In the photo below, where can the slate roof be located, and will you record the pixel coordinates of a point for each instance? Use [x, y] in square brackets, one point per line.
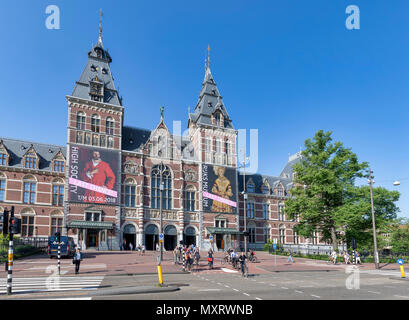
[288, 169]
[18, 148]
[209, 101]
[97, 67]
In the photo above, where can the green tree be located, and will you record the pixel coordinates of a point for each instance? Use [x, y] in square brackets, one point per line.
[324, 183]
[400, 239]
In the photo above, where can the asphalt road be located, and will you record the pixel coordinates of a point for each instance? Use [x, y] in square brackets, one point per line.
[325, 285]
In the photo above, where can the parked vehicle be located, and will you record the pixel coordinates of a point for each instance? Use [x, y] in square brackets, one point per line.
[67, 247]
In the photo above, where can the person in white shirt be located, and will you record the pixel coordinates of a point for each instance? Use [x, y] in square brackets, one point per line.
[334, 257]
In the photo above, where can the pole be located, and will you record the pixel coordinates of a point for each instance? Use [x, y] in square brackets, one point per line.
[160, 209]
[59, 257]
[10, 258]
[244, 201]
[373, 222]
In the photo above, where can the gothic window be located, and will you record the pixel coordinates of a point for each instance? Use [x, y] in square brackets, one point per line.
[190, 199]
[110, 126]
[280, 191]
[95, 123]
[80, 121]
[252, 233]
[166, 186]
[266, 233]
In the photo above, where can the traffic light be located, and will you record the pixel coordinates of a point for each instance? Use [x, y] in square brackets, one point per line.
[353, 244]
[5, 218]
[57, 236]
[15, 225]
[246, 233]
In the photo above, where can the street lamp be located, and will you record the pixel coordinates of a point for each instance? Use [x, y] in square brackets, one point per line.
[371, 182]
[245, 160]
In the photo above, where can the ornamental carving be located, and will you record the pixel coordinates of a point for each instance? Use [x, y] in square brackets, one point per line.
[190, 175]
[130, 214]
[166, 215]
[191, 216]
[131, 167]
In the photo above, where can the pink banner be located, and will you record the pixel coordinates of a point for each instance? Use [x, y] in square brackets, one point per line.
[220, 199]
[93, 187]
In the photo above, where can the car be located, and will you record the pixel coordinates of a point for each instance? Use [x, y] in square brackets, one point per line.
[67, 247]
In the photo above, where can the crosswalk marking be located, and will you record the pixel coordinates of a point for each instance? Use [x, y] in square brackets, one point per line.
[43, 284]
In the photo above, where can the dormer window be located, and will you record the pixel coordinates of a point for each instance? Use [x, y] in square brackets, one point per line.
[30, 162]
[104, 71]
[58, 166]
[217, 118]
[250, 187]
[265, 189]
[210, 104]
[3, 159]
[93, 68]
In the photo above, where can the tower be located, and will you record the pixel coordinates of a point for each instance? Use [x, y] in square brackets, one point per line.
[214, 139]
[93, 177]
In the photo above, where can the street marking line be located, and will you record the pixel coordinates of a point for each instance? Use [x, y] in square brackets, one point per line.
[246, 294]
[226, 286]
[210, 290]
[229, 271]
[284, 288]
[235, 290]
[315, 296]
[374, 292]
[258, 298]
[389, 287]
[401, 296]
[298, 291]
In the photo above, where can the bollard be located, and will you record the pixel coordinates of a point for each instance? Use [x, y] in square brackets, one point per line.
[402, 271]
[160, 275]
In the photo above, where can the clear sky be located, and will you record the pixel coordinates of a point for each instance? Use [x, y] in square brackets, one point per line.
[286, 68]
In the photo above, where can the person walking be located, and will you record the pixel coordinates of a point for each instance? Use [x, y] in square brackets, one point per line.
[290, 257]
[130, 246]
[77, 260]
[334, 256]
[140, 249]
[357, 257]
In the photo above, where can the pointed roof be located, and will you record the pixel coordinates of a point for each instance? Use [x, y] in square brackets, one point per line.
[98, 69]
[209, 102]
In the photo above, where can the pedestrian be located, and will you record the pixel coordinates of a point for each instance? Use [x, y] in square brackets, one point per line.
[175, 255]
[197, 257]
[334, 256]
[124, 245]
[77, 260]
[290, 257]
[130, 246]
[143, 249]
[357, 257]
[140, 249]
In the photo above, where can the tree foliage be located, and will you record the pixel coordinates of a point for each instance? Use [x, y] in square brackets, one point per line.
[325, 197]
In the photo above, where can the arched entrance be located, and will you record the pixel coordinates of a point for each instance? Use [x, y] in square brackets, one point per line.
[151, 237]
[170, 241]
[129, 235]
[190, 236]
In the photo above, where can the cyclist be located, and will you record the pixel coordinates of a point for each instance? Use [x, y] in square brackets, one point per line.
[197, 256]
[242, 260]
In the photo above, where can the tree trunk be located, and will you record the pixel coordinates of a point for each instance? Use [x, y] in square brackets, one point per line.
[334, 239]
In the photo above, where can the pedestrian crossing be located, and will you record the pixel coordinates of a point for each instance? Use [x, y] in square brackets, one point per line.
[51, 284]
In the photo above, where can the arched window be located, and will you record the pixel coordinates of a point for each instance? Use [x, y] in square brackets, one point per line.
[190, 198]
[217, 119]
[80, 121]
[110, 126]
[130, 193]
[95, 123]
[164, 172]
[29, 189]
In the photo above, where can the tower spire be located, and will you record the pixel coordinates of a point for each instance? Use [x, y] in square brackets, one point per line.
[208, 56]
[101, 17]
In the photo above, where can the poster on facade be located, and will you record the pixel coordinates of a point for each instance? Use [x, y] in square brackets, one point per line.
[92, 176]
[219, 189]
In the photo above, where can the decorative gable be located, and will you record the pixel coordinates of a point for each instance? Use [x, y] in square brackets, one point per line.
[31, 159]
[4, 155]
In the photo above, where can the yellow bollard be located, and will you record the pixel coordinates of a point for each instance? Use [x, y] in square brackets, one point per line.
[402, 271]
[160, 275]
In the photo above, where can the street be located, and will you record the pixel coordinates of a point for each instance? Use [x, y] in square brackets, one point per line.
[128, 276]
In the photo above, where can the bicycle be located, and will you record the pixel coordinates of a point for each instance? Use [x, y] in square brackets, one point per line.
[253, 259]
[244, 270]
[225, 260]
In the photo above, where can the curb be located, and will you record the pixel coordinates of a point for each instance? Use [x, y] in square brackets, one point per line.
[133, 290]
[399, 278]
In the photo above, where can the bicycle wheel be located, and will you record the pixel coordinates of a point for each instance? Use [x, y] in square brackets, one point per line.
[246, 272]
[255, 259]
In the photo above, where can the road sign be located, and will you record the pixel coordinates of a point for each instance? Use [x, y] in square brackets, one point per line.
[211, 238]
[400, 261]
[161, 237]
[275, 246]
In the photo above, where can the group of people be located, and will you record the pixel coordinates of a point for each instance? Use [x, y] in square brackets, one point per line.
[346, 257]
[187, 255]
[129, 246]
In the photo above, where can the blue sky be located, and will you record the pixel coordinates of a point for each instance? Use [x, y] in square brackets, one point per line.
[286, 68]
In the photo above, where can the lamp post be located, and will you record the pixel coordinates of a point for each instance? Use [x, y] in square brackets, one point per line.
[245, 160]
[371, 182]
